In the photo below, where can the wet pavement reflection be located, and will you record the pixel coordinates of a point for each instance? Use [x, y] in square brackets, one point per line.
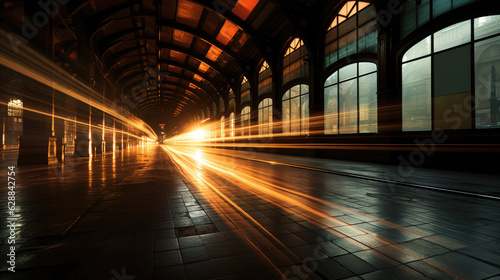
[172, 212]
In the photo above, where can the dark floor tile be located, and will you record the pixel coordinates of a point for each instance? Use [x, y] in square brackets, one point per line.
[354, 264]
[201, 270]
[166, 245]
[205, 229]
[212, 238]
[170, 272]
[190, 241]
[469, 267]
[167, 258]
[194, 254]
[377, 259]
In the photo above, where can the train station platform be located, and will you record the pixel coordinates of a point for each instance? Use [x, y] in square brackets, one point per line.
[161, 212]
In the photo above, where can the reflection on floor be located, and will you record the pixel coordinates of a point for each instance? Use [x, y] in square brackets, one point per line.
[163, 212]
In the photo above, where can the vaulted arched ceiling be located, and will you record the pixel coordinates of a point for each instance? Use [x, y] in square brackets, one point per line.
[177, 57]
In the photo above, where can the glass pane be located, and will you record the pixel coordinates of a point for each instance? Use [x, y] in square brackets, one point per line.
[331, 80]
[245, 96]
[347, 45]
[348, 107]
[486, 26]
[452, 36]
[422, 48]
[424, 12]
[367, 38]
[286, 116]
[261, 121]
[331, 110]
[368, 103]
[270, 119]
[408, 18]
[452, 89]
[458, 3]
[367, 67]
[367, 14]
[267, 120]
[304, 108]
[348, 72]
[347, 26]
[487, 62]
[331, 35]
[331, 54]
[417, 95]
[295, 114]
[440, 7]
[286, 95]
[295, 91]
[304, 89]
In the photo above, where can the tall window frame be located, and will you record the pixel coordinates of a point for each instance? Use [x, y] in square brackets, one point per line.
[265, 111]
[414, 16]
[447, 77]
[245, 121]
[351, 100]
[245, 95]
[295, 105]
[352, 31]
[265, 79]
[295, 61]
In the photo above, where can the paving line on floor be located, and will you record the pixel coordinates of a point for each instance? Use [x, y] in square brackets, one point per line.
[353, 175]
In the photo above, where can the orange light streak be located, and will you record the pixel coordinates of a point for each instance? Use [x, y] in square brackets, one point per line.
[34, 65]
[249, 180]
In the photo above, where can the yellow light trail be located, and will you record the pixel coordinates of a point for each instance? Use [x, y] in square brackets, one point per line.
[188, 169]
[284, 195]
[109, 129]
[295, 141]
[34, 65]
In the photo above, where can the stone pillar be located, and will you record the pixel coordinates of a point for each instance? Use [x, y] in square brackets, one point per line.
[34, 143]
[388, 96]
[37, 128]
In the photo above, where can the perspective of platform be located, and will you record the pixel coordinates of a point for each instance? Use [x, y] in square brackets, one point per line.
[250, 139]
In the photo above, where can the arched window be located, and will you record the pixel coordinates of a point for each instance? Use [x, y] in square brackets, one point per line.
[231, 124]
[266, 116]
[245, 121]
[296, 110]
[415, 15]
[351, 31]
[265, 79]
[222, 127]
[245, 91]
[14, 125]
[15, 108]
[294, 61]
[351, 99]
[230, 104]
[437, 74]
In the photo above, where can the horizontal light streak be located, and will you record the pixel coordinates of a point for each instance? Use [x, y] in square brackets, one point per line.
[34, 65]
[260, 182]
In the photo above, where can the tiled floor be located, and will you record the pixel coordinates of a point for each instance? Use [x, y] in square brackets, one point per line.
[184, 213]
